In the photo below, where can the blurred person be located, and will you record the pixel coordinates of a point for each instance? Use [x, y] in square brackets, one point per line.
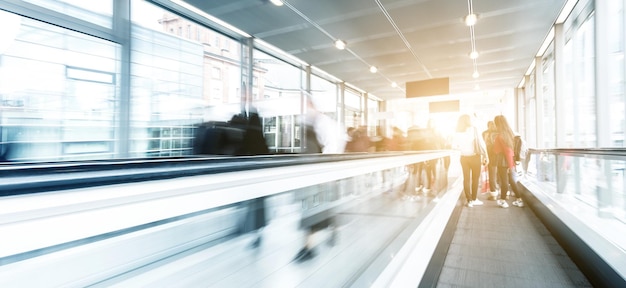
[520, 154]
[470, 146]
[377, 141]
[489, 136]
[329, 136]
[441, 143]
[322, 136]
[4, 151]
[422, 139]
[359, 140]
[253, 143]
[242, 135]
[507, 174]
[397, 142]
[415, 135]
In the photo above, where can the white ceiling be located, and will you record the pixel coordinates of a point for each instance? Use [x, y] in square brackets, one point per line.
[508, 35]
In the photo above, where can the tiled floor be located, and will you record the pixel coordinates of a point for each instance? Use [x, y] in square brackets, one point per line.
[496, 247]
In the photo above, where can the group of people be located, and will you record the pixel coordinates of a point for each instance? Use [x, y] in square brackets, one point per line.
[422, 139]
[243, 135]
[493, 148]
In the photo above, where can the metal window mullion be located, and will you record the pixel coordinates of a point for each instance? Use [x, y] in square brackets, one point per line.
[247, 73]
[602, 81]
[365, 99]
[559, 86]
[121, 29]
[518, 96]
[623, 92]
[539, 101]
[527, 112]
[559, 115]
[342, 98]
[304, 104]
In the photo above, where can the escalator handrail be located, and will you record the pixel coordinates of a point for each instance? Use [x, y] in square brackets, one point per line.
[26, 178]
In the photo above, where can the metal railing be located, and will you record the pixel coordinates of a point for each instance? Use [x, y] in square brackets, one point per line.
[585, 189]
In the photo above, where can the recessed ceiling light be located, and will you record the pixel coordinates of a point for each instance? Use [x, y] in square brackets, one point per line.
[476, 74]
[470, 19]
[394, 84]
[340, 44]
[373, 69]
[473, 54]
[277, 2]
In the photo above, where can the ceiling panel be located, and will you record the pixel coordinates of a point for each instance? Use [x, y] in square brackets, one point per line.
[433, 41]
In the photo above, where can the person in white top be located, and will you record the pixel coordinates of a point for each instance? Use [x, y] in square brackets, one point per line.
[330, 137]
[471, 147]
[323, 135]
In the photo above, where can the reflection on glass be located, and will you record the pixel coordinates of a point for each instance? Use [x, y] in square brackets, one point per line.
[380, 204]
[96, 12]
[579, 56]
[71, 113]
[617, 76]
[179, 78]
[590, 187]
[277, 94]
[373, 119]
[548, 139]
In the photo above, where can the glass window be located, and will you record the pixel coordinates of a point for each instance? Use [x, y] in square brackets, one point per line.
[277, 93]
[71, 113]
[568, 95]
[530, 109]
[583, 118]
[352, 102]
[579, 90]
[325, 93]
[586, 75]
[548, 138]
[352, 99]
[616, 72]
[172, 85]
[216, 93]
[217, 73]
[372, 118]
